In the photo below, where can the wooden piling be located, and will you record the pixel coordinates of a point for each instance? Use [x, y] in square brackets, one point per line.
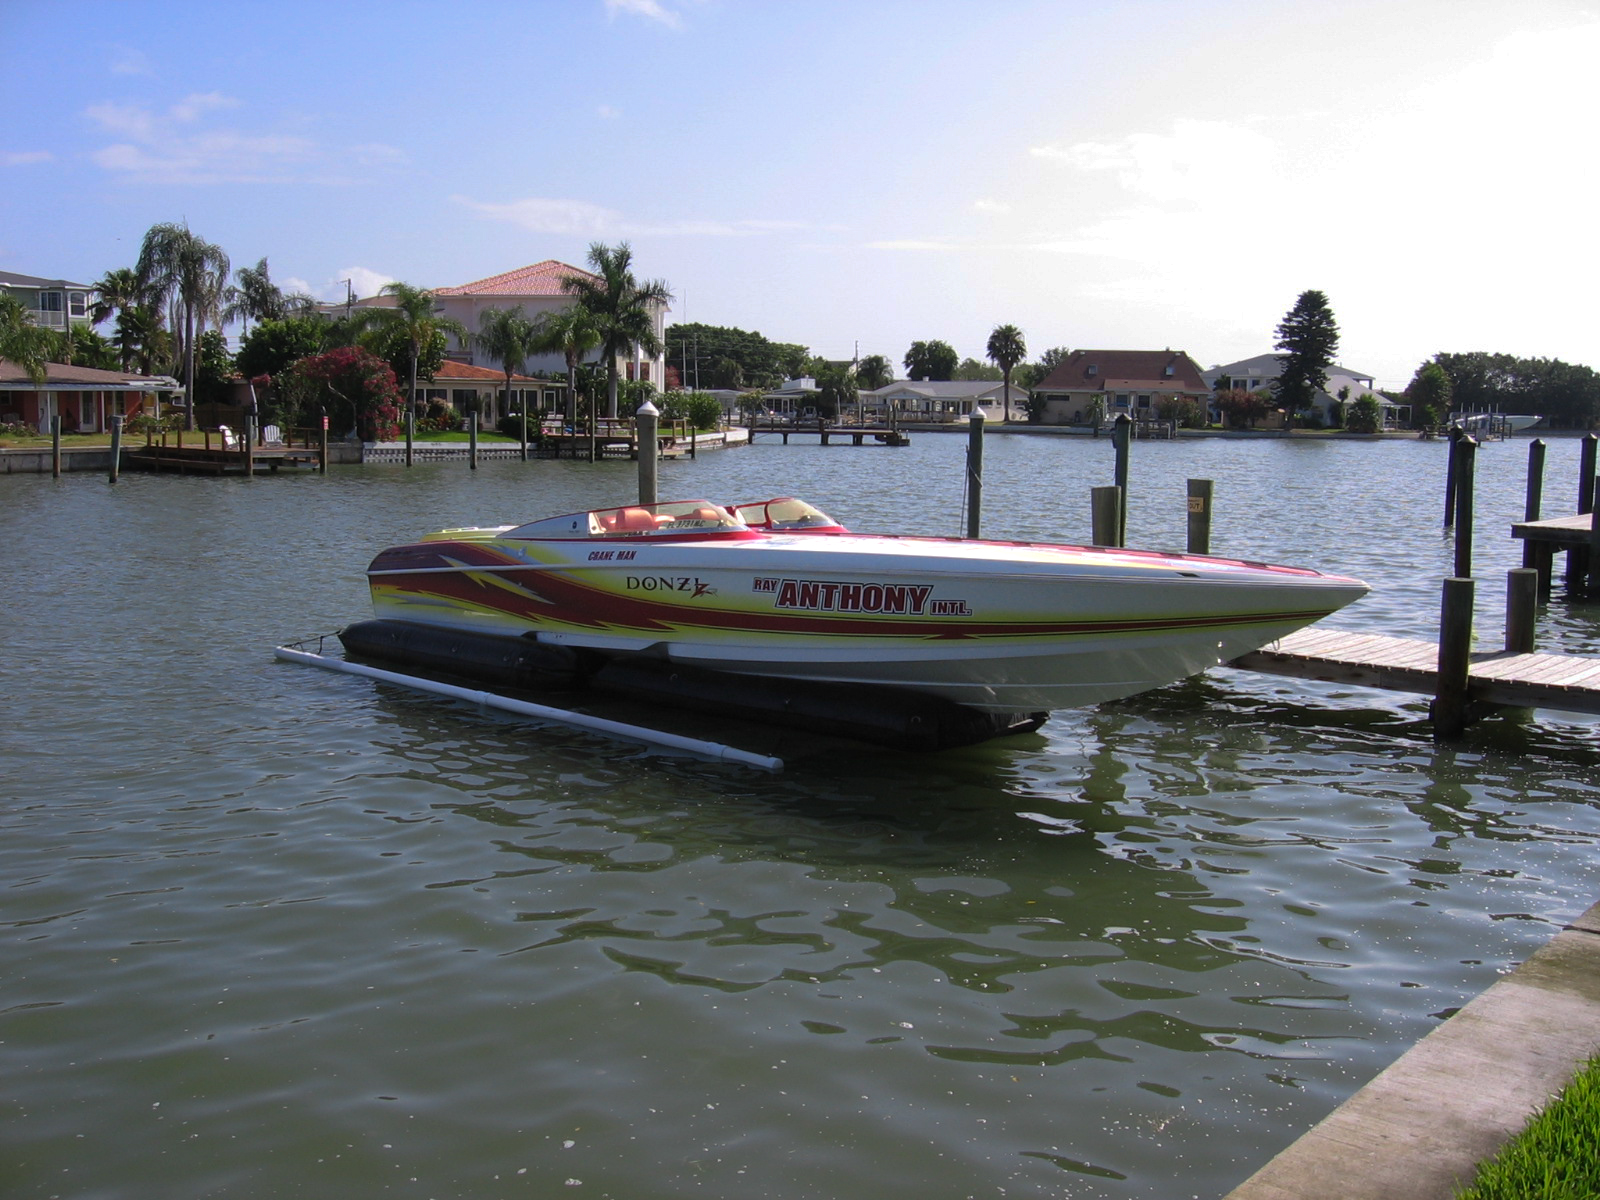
[1455, 657]
[1121, 440]
[1534, 500]
[974, 472]
[1199, 494]
[411, 429]
[1105, 504]
[1465, 453]
[1586, 456]
[472, 440]
[646, 423]
[55, 447]
[116, 447]
[1522, 606]
[1456, 434]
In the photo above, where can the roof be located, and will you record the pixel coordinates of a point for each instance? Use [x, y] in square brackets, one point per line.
[1127, 370]
[59, 376]
[12, 279]
[540, 279]
[952, 388]
[461, 372]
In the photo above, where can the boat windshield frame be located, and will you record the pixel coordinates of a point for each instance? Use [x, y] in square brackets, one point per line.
[785, 514]
[671, 518]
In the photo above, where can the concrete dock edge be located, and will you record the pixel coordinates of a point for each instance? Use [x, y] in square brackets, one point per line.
[1419, 1130]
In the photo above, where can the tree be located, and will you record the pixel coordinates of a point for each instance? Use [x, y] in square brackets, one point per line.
[623, 309]
[213, 367]
[1006, 349]
[358, 381]
[836, 389]
[506, 336]
[416, 325]
[188, 273]
[21, 341]
[86, 349]
[1311, 336]
[255, 297]
[1242, 409]
[931, 360]
[571, 334]
[1365, 415]
[972, 370]
[272, 347]
[873, 372]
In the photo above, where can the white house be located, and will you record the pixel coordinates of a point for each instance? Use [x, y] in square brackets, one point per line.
[945, 400]
[1344, 386]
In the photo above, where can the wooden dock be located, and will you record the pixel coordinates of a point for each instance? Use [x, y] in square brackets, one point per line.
[882, 435]
[1562, 681]
[1541, 540]
[209, 459]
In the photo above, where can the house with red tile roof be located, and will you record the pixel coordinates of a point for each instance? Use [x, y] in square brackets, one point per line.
[467, 387]
[1124, 381]
[537, 289]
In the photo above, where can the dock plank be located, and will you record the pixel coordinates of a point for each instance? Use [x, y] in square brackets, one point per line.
[1539, 680]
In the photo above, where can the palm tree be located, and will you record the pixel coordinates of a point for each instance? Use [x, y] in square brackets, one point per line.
[255, 298]
[1006, 349]
[570, 333]
[506, 336]
[874, 372]
[414, 315]
[189, 273]
[623, 308]
[118, 294]
[21, 341]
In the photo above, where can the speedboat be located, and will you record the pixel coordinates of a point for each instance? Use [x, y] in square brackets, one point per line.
[780, 590]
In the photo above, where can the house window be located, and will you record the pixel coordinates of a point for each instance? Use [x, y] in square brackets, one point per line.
[1122, 399]
[1144, 401]
[78, 304]
[49, 301]
[1093, 371]
[1167, 372]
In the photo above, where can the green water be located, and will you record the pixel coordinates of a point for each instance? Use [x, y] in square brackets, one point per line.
[274, 932]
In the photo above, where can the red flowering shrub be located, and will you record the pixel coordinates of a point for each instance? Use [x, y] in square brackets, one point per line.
[358, 380]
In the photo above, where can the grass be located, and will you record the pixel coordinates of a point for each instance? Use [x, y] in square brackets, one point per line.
[1557, 1156]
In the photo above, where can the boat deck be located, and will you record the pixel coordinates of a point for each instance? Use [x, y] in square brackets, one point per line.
[1562, 681]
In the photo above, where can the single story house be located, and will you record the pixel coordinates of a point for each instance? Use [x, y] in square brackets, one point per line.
[84, 398]
[1123, 381]
[466, 387]
[943, 400]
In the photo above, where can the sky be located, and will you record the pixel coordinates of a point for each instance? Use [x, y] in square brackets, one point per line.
[852, 176]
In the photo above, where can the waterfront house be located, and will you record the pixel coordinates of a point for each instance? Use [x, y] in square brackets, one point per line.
[1133, 382]
[537, 290]
[466, 387]
[84, 398]
[1344, 386]
[51, 303]
[940, 401]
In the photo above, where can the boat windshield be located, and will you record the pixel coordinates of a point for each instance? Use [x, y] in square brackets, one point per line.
[636, 520]
[785, 513]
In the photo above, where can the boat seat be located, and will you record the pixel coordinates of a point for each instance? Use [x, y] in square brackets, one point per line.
[629, 520]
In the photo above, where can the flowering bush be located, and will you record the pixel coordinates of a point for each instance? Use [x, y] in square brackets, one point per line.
[360, 382]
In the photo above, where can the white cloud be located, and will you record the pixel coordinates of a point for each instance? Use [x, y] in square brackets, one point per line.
[26, 158]
[649, 9]
[608, 112]
[179, 146]
[125, 60]
[364, 282]
[985, 205]
[1187, 163]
